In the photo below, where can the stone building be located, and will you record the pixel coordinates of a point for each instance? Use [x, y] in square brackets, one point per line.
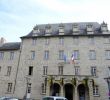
[65, 59]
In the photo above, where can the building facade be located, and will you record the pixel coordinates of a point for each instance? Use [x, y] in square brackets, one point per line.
[66, 59]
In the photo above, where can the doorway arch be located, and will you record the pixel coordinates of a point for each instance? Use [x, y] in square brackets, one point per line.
[68, 91]
[55, 89]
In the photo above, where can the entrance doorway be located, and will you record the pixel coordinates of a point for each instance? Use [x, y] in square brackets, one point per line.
[55, 89]
[81, 90]
[69, 91]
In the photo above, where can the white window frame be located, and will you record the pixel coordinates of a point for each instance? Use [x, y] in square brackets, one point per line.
[96, 90]
[93, 71]
[46, 54]
[107, 54]
[92, 54]
[32, 55]
[45, 68]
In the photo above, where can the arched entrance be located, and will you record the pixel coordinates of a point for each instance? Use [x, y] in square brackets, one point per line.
[55, 89]
[81, 91]
[68, 91]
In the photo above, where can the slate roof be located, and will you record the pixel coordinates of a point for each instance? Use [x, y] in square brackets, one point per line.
[10, 46]
[68, 28]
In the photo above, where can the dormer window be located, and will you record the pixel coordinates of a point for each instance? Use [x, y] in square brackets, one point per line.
[104, 28]
[61, 29]
[48, 29]
[75, 28]
[36, 31]
[89, 28]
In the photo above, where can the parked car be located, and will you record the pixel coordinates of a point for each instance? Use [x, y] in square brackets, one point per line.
[8, 98]
[54, 98]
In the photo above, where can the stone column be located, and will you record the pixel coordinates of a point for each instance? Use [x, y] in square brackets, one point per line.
[90, 90]
[61, 92]
[48, 90]
[76, 94]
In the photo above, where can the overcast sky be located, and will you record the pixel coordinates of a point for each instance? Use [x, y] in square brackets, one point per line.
[18, 17]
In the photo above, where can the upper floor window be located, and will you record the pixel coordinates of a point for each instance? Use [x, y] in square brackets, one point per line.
[76, 54]
[109, 71]
[91, 40]
[9, 70]
[32, 55]
[107, 54]
[43, 88]
[9, 89]
[95, 90]
[106, 40]
[77, 70]
[11, 55]
[34, 41]
[45, 70]
[30, 72]
[0, 68]
[60, 70]
[47, 40]
[46, 55]
[61, 40]
[92, 55]
[29, 88]
[1, 55]
[93, 71]
[61, 54]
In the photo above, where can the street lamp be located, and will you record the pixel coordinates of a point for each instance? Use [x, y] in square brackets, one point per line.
[108, 82]
[27, 86]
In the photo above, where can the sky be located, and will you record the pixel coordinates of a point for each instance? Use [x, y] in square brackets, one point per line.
[18, 17]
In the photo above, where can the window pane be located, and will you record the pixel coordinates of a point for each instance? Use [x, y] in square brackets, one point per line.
[93, 71]
[30, 70]
[1, 55]
[61, 54]
[46, 55]
[32, 55]
[61, 40]
[76, 54]
[92, 55]
[11, 55]
[107, 54]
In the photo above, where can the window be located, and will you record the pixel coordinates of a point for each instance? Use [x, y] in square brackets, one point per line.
[91, 40]
[29, 88]
[9, 70]
[92, 55]
[95, 91]
[0, 68]
[1, 55]
[45, 70]
[107, 54]
[11, 55]
[32, 55]
[76, 54]
[34, 41]
[93, 71]
[46, 55]
[9, 89]
[43, 88]
[61, 40]
[60, 70]
[109, 71]
[107, 40]
[30, 70]
[61, 54]
[47, 41]
[77, 70]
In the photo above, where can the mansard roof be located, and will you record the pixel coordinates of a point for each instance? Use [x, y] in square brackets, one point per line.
[68, 29]
[10, 46]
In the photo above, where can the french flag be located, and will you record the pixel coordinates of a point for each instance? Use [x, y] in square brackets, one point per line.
[72, 58]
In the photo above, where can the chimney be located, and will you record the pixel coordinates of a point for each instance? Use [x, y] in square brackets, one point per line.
[2, 40]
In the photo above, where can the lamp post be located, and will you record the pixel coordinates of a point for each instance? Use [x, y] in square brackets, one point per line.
[108, 82]
[27, 85]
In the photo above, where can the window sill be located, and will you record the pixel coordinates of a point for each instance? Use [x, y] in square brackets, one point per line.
[96, 95]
